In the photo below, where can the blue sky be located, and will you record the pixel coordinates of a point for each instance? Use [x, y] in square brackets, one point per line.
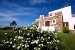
[24, 12]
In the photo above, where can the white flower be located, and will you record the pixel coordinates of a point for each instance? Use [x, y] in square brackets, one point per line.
[19, 37]
[25, 41]
[41, 31]
[42, 41]
[32, 35]
[55, 33]
[44, 34]
[26, 27]
[10, 38]
[35, 47]
[5, 33]
[15, 31]
[7, 42]
[28, 34]
[19, 31]
[55, 40]
[18, 47]
[31, 28]
[22, 40]
[58, 41]
[10, 42]
[15, 28]
[37, 37]
[36, 42]
[38, 48]
[29, 41]
[34, 25]
[48, 37]
[4, 40]
[24, 34]
[22, 49]
[22, 45]
[48, 42]
[37, 30]
[41, 37]
[27, 45]
[15, 36]
[27, 38]
[14, 46]
[14, 39]
[41, 44]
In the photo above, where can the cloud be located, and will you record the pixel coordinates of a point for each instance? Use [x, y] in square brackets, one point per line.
[11, 10]
[7, 17]
[33, 2]
[19, 10]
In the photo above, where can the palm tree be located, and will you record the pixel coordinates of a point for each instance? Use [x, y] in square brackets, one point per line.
[13, 24]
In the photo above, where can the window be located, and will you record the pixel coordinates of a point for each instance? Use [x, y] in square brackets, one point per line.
[50, 14]
[74, 26]
[54, 21]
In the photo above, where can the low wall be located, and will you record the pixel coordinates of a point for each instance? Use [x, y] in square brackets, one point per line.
[72, 31]
[50, 28]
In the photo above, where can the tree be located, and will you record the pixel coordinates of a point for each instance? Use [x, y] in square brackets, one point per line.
[13, 24]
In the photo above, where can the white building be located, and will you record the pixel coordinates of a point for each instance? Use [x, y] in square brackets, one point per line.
[57, 19]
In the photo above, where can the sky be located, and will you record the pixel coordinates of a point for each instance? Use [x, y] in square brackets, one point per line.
[24, 12]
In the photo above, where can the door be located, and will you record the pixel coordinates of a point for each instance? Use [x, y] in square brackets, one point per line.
[47, 23]
[66, 24]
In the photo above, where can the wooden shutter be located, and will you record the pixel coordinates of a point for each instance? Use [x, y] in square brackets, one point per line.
[47, 23]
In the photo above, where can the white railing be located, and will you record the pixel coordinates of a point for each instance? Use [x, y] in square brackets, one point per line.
[50, 28]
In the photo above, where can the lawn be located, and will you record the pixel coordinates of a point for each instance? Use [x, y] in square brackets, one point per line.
[9, 32]
[67, 40]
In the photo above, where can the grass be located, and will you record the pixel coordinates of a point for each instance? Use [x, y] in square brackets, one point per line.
[9, 32]
[67, 40]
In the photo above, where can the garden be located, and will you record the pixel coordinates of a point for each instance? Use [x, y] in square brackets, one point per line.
[33, 38]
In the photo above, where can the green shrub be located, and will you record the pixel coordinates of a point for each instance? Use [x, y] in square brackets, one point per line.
[66, 29]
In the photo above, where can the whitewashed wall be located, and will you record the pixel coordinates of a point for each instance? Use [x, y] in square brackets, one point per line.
[67, 16]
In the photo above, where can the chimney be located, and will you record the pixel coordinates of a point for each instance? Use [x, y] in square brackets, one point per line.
[41, 16]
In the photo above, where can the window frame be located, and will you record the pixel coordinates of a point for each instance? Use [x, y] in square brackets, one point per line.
[74, 26]
[54, 22]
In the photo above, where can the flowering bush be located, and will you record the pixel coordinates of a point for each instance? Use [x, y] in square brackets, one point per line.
[31, 38]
